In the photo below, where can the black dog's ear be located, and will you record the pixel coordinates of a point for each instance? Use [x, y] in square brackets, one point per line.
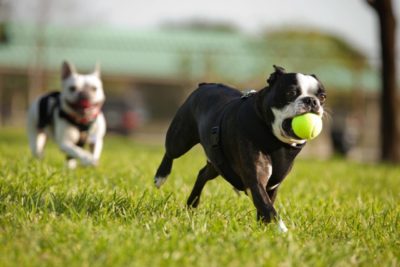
[279, 71]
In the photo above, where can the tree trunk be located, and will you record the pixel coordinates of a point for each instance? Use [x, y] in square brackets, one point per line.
[390, 142]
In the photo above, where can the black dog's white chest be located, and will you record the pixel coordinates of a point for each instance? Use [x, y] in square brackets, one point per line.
[282, 162]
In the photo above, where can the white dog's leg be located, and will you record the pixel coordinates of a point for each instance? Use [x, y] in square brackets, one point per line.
[40, 143]
[37, 141]
[96, 149]
[77, 152]
[37, 138]
[96, 137]
[67, 137]
[72, 164]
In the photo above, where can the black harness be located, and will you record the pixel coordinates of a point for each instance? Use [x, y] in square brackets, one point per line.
[48, 105]
[218, 156]
[83, 127]
[260, 134]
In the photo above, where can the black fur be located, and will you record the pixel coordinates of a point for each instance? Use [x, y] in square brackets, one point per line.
[237, 137]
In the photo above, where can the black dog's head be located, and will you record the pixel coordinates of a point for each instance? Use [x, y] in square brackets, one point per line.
[289, 95]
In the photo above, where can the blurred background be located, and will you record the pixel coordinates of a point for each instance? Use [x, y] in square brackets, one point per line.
[153, 53]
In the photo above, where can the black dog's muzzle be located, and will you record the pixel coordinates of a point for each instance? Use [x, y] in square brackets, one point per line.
[311, 104]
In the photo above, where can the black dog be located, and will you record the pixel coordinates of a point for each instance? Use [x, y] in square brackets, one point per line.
[248, 138]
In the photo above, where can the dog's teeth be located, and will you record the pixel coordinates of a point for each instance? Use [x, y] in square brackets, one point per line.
[159, 181]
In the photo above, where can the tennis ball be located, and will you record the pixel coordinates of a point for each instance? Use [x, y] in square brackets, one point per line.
[307, 126]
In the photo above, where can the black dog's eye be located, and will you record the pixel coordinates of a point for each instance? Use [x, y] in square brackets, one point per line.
[292, 93]
[72, 89]
[321, 97]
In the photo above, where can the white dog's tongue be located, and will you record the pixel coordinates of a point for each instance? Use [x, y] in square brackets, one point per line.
[84, 103]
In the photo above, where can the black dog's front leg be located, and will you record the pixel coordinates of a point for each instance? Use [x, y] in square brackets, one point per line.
[272, 194]
[265, 209]
[257, 178]
[257, 174]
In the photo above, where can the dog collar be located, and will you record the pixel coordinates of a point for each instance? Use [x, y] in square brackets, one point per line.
[83, 123]
[248, 93]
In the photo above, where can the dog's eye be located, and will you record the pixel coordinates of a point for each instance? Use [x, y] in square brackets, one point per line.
[94, 88]
[291, 94]
[72, 89]
[322, 97]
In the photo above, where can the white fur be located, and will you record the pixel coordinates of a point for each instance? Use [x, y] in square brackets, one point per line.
[282, 227]
[309, 87]
[273, 187]
[280, 115]
[267, 170]
[80, 81]
[72, 164]
[308, 84]
[65, 134]
[159, 181]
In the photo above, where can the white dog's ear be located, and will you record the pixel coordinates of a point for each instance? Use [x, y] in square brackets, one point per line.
[97, 69]
[67, 70]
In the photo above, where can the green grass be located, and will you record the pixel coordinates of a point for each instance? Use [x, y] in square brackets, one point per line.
[338, 213]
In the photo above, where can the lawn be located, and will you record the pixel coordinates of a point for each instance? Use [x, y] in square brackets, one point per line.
[338, 213]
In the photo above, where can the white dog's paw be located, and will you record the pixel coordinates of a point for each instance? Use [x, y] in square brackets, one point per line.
[282, 227]
[89, 161]
[37, 155]
[159, 181]
[72, 164]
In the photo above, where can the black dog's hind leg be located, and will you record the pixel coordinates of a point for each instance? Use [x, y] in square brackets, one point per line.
[163, 170]
[205, 174]
[176, 146]
[181, 137]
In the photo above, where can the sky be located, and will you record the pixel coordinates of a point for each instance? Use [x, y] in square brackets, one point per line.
[353, 20]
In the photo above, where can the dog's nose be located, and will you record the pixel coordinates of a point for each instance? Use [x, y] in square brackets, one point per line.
[83, 95]
[312, 103]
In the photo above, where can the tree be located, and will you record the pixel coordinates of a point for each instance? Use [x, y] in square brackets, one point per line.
[390, 144]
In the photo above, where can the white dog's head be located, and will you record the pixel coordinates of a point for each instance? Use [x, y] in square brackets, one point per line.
[82, 94]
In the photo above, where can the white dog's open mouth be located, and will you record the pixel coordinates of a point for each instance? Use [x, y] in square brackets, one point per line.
[84, 106]
[84, 103]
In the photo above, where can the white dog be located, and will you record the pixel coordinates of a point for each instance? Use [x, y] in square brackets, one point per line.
[73, 117]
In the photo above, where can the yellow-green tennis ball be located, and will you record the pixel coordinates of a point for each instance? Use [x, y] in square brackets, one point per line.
[307, 126]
